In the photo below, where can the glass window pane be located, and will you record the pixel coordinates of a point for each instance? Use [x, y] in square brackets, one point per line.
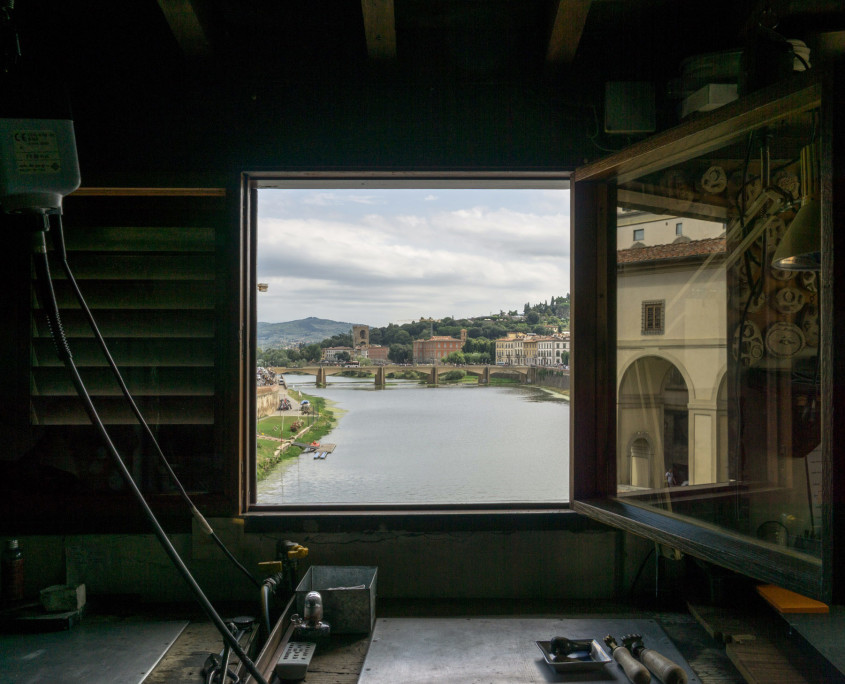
[718, 388]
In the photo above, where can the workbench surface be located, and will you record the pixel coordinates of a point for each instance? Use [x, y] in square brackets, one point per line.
[342, 661]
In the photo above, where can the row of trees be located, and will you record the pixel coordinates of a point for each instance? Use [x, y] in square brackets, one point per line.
[542, 319]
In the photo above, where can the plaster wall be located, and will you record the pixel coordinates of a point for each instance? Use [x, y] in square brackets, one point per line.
[558, 564]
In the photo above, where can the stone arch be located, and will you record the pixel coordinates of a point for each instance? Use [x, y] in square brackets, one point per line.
[640, 453]
[653, 405]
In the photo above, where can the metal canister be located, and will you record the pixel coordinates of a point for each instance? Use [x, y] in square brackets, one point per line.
[12, 573]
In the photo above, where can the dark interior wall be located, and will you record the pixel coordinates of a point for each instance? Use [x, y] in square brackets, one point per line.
[373, 123]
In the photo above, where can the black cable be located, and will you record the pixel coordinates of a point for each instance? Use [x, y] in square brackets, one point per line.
[640, 571]
[59, 246]
[46, 293]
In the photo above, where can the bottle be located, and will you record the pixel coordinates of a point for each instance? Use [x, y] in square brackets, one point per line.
[12, 573]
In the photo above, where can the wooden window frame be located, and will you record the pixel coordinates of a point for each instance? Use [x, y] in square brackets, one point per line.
[423, 516]
[593, 478]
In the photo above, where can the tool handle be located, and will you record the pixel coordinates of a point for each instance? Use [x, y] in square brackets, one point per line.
[664, 669]
[636, 671]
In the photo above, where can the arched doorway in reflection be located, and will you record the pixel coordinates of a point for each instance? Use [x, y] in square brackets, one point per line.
[641, 454]
[653, 425]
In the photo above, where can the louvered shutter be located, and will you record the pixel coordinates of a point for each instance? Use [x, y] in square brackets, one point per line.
[148, 266]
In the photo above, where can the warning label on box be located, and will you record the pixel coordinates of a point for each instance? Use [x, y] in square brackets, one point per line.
[37, 152]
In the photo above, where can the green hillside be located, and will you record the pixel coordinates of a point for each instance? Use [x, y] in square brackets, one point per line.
[307, 330]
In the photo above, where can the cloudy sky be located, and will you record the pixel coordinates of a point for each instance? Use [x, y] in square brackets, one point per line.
[377, 256]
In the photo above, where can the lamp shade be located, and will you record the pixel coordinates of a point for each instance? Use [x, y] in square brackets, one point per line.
[800, 248]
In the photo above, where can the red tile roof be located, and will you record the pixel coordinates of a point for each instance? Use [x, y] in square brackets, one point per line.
[680, 250]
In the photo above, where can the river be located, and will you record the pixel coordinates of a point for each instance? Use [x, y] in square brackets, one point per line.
[409, 443]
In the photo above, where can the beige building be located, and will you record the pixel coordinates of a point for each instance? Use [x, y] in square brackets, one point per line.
[636, 228]
[672, 360]
[550, 349]
[329, 354]
[509, 350]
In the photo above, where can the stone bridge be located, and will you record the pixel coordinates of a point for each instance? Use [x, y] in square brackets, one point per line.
[527, 374]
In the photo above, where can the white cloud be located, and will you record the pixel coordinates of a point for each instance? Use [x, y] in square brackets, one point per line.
[380, 267]
[323, 199]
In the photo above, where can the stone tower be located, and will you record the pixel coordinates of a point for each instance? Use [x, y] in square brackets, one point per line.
[360, 336]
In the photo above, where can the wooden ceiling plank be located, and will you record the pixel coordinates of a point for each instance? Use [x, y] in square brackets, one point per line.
[181, 16]
[569, 20]
[379, 28]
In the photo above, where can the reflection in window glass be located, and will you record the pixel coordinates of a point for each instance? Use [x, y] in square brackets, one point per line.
[653, 317]
[718, 416]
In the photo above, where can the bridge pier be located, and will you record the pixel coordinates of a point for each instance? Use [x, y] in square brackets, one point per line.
[532, 375]
[484, 378]
[381, 378]
[433, 378]
[321, 377]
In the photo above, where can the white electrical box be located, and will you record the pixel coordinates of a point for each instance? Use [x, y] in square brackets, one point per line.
[38, 164]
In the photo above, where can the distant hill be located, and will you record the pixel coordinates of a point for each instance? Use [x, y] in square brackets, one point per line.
[307, 330]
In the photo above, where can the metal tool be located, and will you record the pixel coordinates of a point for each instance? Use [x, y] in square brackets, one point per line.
[216, 670]
[633, 669]
[667, 671]
[310, 627]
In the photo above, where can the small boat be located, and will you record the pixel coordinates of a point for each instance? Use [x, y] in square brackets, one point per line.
[323, 454]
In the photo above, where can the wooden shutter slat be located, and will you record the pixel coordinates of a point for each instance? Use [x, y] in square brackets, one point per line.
[140, 294]
[140, 239]
[141, 381]
[115, 411]
[197, 323]
[150, 266]
[129, 352]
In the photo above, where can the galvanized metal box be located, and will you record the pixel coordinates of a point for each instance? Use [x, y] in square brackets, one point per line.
[349, 596]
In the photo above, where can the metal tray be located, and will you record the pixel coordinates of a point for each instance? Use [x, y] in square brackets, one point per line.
[593, 657]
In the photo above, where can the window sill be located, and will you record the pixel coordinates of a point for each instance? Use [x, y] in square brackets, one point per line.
[559, 517]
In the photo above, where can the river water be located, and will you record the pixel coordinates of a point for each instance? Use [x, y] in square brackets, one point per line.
[409, 443]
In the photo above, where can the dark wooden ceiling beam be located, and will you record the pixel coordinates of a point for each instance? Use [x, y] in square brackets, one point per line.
[183, 18]
[379, 28]
[567, 27]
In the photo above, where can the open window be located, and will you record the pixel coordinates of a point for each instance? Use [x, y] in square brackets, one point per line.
[716, 437]
[443, 385]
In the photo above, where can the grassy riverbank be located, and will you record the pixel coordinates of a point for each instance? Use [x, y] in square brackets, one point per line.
[308, 428]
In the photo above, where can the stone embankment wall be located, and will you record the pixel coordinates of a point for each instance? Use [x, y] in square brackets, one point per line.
[557, 379]
[267, 400]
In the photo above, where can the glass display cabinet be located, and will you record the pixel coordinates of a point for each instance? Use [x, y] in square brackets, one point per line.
[705, 302]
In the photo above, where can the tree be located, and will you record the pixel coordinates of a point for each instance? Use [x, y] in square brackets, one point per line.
[312, 352]
[455, 357]
[343, 356]
[400, 353]
[532, 318]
